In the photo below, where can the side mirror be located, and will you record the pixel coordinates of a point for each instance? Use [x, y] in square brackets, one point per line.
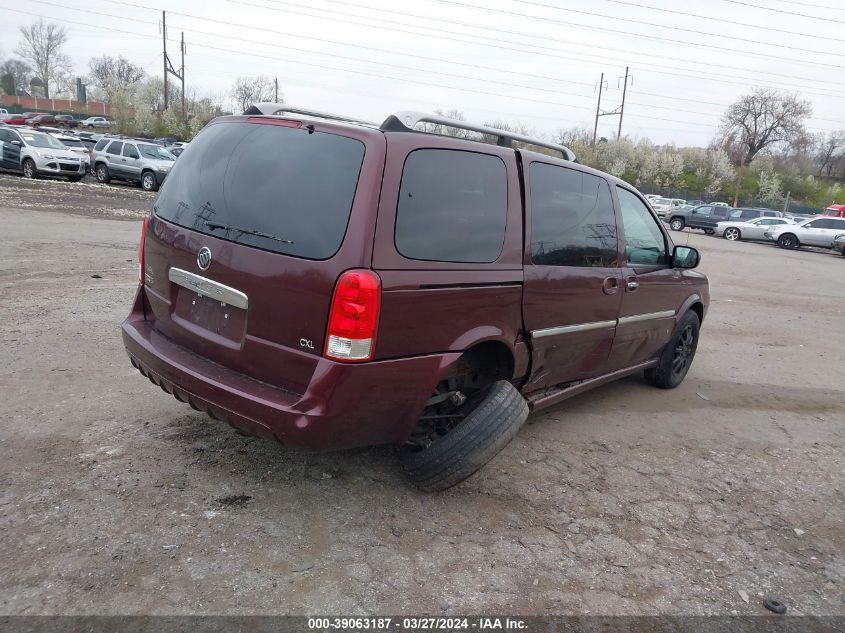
[18, 143]
[685, 257]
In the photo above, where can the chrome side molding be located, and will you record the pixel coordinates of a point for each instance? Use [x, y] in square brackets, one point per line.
[600, 325]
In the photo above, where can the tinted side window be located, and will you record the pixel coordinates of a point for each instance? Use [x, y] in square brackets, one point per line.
[452, 206]
[747, 214]
[644, 241]
[130, 152]
[115, 148]
[703, 211]
[572, 218]
[101, 144]
[837, 224]
[6, 135]
[720, 212]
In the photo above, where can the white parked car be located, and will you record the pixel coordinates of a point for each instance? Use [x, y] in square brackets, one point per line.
[662, 206]
[36, 153]
[748, 229]
[75, 145]
[719, 204]
[819, 231]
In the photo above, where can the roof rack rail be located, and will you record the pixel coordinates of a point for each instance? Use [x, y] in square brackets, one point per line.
[406, 121]
[269, 108]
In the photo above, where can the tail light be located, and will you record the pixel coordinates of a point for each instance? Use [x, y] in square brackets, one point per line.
[144, 226]
[353, 318]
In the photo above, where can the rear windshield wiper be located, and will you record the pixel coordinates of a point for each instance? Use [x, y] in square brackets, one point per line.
[229, 227]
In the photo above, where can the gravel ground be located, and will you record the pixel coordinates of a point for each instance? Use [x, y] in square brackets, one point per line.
[117, 499]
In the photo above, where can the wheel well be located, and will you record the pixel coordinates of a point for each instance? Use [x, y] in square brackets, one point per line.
[698, 308]
[491, 359]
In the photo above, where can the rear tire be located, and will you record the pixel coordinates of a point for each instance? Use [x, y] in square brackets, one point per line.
[788, 240]
[102, 174]
[499, 412]
[709, 231]
[677, 224]
[677, 356]
[732, 234]
[29, 168]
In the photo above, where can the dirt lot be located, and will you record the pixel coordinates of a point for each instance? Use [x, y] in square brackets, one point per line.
[117, 499]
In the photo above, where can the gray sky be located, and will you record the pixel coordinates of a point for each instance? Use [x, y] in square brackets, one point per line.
[536, 62]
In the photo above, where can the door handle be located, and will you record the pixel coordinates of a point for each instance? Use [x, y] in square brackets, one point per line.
[632, 284]
[610, 285]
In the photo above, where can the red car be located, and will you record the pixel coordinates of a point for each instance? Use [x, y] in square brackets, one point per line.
[330, 283]
[14, 119]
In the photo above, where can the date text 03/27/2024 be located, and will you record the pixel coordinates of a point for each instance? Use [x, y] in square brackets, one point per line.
[416, 624]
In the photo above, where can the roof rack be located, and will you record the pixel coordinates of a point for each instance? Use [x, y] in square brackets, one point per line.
[407, 121]
[269, 108]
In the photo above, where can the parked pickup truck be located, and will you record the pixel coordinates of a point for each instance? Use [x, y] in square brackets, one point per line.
[707, 216]
[332, 283]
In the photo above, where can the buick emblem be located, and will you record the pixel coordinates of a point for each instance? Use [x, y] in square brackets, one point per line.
[204, 258]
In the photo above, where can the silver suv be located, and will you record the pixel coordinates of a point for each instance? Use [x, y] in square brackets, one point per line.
[132, 160]
[36, 153]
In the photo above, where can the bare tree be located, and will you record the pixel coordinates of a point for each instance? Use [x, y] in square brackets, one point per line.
[42, 48]
[763, 119]
[251, 90]
[830, 150]
[14, 75]
[114, 74]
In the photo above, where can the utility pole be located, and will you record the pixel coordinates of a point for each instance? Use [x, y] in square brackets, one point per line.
[168, 66]
[164, 55]
[786, 203]
[276, 83]
[182, 77]
[598, 109]
[622, 107]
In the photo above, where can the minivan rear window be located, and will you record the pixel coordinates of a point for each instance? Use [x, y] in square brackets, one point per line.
[277, 188]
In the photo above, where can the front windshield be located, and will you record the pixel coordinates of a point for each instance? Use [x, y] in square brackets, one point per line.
[37, 139]
[155, 151]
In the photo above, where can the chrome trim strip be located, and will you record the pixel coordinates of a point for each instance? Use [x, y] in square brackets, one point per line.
[636, 318]
[599, 325]
[208, 288]
[566, 329]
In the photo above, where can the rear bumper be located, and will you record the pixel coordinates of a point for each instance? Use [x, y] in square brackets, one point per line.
[344, 405]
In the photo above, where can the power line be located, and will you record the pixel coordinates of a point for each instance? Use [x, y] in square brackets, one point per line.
[810, 4]
[800, 15]
[584, 57]
[815, 36]
[629, 33]
[534, 36]
[342, 70]
[675, 28]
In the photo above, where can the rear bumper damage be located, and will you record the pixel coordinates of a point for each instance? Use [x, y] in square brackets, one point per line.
[344, 405]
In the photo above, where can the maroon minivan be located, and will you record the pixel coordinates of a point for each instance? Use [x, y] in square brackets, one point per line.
[330, 283]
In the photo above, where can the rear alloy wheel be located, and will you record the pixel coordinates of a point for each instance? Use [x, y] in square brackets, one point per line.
[732, 234]
[453, 442]
[102, 174]
[677, 224]
[677, 356]
[29, 169]
[788, 240]
[148, 181]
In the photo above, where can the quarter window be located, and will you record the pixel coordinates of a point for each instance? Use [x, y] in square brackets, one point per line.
[572, 218]
[452, 206]
[645, 243]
